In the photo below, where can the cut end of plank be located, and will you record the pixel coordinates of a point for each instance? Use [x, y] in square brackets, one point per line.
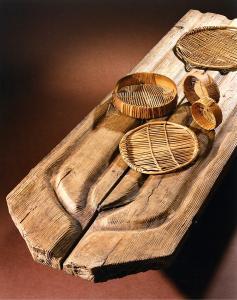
[76, 270]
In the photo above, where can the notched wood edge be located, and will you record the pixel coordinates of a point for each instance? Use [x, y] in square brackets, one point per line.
[67, 229]
[114, 271]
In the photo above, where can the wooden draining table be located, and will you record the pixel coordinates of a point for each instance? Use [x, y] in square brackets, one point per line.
[83, 210]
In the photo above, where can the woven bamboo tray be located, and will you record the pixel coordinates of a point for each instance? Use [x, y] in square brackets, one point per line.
[206, 113]
[159, 147]
[212, 47]
[197, 85]
[145, 95]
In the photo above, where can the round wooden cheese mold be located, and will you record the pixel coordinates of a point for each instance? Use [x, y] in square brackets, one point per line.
[145, 95]
[159, 147]
[197, 85]
[206, 113]
[212, 47]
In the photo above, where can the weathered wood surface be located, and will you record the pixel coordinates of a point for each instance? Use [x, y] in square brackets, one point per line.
[82, 209]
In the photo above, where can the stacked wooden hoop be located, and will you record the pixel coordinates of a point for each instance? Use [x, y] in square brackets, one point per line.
[197, 85]
[203, 93]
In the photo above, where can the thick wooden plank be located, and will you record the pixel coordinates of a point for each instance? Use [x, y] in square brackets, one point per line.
[84, 176]
[47, 229]
[50, 232]
[151, 220]
[76, 193]
[153, 224]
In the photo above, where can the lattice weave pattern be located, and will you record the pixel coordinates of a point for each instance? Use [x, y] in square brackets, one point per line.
[145, 95]
[209, 47]
[159, 147]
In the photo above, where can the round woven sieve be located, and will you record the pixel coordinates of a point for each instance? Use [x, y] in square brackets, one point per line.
[206, 113]
[145, 95]
[159, 147]
[197, 85]
[213, 47]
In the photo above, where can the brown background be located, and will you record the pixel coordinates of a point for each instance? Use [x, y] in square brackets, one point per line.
[58, 60]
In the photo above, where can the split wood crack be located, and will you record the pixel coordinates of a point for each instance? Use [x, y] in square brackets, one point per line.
[84, 210]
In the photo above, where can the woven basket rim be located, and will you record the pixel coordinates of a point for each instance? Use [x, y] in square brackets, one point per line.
[203, 65]
[211, 86]
[139, 169]
[152, 111]
[216, 112]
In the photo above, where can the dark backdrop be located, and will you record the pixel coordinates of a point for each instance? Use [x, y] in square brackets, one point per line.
[58, 60]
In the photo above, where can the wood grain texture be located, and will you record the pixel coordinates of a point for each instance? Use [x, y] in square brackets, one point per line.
[83, 209]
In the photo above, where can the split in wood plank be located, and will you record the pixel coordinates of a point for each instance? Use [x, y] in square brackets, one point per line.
[82, 208]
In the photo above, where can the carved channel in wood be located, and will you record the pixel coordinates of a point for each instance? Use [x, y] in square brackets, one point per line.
[76, 181]
[86, 165]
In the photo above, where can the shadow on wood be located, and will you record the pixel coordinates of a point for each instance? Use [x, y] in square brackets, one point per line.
[198, 258]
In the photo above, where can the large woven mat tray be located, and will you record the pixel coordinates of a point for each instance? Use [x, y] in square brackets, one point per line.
[209, 47]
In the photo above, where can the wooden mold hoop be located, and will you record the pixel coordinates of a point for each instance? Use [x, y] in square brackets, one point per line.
[206, 113]
[190, 64]
[198, 85]
[123, 147]
[165, 104]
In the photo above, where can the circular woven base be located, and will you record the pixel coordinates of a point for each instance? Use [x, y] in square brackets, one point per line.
[212, 47]
[159, 147]
[198, 85]
[206, 113]
[145, 95]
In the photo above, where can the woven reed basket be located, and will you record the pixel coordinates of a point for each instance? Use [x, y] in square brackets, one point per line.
[212, 47]
[159, 147]
[197, 85]
[206, 113]
[145, 95]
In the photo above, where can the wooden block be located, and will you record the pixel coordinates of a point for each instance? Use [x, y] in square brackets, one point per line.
[151, 225]
[83, 208]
